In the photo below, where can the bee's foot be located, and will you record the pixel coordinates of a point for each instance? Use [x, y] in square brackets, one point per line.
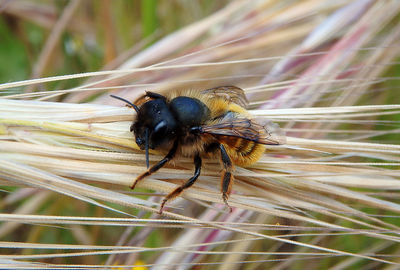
[139, 178]
[162, 207]
[134, 184]
[225, 198]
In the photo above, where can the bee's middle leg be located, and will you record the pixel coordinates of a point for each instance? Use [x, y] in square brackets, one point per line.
[159, 165]
[187, 184]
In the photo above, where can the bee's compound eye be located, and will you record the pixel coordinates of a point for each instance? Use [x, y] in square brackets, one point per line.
[160, 132]
[160, 128]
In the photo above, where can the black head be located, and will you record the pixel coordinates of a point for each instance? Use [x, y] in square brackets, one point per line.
[154, 124]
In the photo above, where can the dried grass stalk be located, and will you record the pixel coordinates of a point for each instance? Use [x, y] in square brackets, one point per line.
[330, 181]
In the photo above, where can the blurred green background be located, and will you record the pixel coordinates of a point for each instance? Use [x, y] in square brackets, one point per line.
[99, 32]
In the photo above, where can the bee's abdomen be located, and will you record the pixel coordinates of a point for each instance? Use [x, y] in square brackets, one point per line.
[242, 152]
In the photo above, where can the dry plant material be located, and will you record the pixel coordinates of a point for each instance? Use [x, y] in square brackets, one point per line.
[315, 67]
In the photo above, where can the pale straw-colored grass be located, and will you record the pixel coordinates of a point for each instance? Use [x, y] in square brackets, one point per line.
[328, 197]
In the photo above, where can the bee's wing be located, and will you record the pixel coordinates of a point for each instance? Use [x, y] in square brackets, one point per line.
[232, 93]
[248, 129]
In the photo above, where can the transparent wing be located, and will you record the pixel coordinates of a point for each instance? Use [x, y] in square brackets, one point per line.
[232, 93]
[248, 129]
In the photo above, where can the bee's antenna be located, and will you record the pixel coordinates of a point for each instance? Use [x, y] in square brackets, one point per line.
[128, 102]
[147, 147]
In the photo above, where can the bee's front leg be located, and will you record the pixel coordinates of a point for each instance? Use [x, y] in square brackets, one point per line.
[157, 166]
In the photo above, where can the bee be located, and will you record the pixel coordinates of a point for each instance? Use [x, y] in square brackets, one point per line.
[198, 124]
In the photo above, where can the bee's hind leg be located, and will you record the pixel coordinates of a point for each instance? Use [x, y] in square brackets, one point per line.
[227, 176]
[157, 166]
[187, 184]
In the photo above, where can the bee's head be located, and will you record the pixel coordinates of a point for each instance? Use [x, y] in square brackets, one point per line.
[154, 125]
